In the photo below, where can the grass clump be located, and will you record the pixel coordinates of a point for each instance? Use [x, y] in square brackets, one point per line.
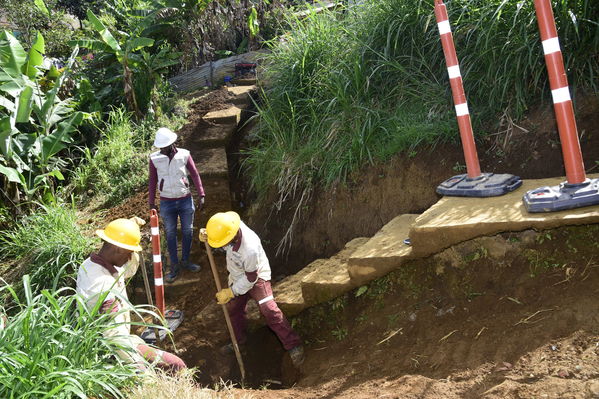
[182, 386]
[116, 168]
[45, 243]
[53, 347]
[347, 89]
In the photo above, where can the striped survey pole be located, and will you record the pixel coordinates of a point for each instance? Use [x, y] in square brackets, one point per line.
[157, 258]
[474, 183]
[173, 318]
[560, 91]
[457, 89]
[577, 191]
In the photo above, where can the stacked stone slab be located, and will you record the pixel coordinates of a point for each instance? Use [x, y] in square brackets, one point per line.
[456, 219]
[451, 221]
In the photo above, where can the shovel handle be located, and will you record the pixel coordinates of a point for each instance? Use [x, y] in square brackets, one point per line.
[225, 311]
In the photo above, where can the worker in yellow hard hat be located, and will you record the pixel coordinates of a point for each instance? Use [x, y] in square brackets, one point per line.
[103, 275]
[249, 277]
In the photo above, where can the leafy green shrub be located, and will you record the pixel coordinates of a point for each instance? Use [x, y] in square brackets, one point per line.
[36, 122]
[45, 243]
[53, 347]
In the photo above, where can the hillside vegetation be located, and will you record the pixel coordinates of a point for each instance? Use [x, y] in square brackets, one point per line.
[356, 88]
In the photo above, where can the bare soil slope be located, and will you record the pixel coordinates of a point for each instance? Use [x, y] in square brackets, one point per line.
[512, 316]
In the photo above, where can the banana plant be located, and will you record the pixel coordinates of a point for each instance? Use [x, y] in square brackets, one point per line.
[34, 125]
[124, 53]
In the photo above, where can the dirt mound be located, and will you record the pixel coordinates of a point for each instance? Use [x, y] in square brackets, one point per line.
[212, 101]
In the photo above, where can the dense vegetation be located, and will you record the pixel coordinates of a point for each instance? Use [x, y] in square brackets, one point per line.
[358, 88]
[53, 348]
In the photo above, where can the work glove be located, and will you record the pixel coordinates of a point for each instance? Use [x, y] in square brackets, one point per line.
[223, 296]
[203, 235]
[201, 203]
[138, 220]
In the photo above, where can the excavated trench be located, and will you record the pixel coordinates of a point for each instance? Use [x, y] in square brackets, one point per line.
[340, 336]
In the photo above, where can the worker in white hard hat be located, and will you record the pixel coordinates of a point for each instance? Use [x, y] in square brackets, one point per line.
[169, 170]
[102, 276]
[249, 277]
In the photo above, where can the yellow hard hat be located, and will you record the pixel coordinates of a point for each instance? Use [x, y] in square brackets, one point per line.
[123, 233]
[222, 228]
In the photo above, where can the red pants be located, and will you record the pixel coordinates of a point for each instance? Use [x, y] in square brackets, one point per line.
[164, 360]
[261, 292]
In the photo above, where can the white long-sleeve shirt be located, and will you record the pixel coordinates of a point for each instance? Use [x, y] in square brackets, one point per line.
[249, 258]
[93, 280]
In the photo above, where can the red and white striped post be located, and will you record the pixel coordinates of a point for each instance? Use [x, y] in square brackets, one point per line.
[457, 89]
[560, 91]
[157, 258]
[577, 191]
[474, 183]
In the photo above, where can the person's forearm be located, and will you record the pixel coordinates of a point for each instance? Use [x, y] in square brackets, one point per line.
[153, 181]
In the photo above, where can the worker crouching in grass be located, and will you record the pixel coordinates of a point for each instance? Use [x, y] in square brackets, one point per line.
[249, 277]
[102, 276]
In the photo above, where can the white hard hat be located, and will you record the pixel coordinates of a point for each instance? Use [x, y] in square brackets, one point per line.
[164, 137]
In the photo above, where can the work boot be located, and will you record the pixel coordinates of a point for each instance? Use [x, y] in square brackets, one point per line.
[297, 355]
[192, 267]
[173, 274]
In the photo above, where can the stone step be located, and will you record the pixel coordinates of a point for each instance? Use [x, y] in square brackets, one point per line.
[384, 252]
[209, 135]
[456, 219]
[212, 162]
[217, 192]
[329, 278]
[288, 293]
[242, 95]
[231, 115]
[244, 81]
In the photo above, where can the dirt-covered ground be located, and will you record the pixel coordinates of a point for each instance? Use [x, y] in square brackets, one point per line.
[513, 316]
[510, 316]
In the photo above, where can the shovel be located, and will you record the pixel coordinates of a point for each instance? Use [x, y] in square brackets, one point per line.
[203, 237]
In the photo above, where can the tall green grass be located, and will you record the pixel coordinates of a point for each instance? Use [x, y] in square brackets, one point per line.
[53, 347]
[46, 244]
[117, 166]
[346, 89]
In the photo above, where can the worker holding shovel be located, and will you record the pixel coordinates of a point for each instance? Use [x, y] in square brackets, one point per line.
[102, 277]
[169, 169]
[249, 277]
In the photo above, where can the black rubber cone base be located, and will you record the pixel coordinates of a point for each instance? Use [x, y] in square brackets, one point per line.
[561, 197]
[173, 318]
[485, 185]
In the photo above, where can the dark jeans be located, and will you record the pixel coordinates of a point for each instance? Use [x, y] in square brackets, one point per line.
[171, 211]
[262, 292]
